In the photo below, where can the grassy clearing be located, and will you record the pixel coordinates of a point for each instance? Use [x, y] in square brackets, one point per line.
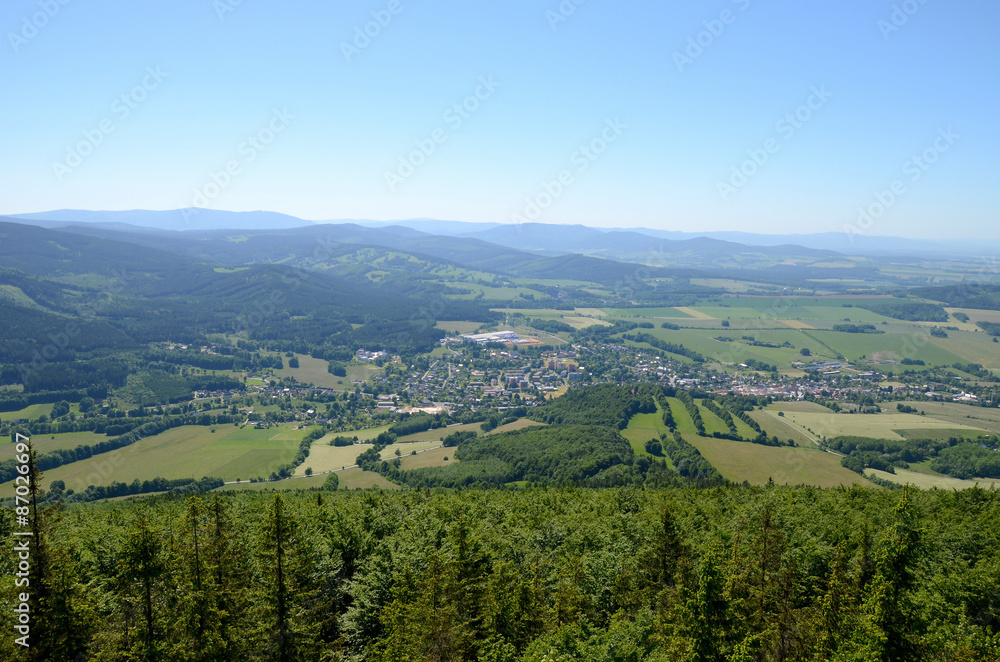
[432, 458]
[928, 482]
[356, 479]
[756, 464]
[881, 426]
[519, 424]
[712, 422]
[187, 452]
[641, 428]
[681, 416]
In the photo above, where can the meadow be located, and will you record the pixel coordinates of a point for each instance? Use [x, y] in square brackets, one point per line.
[54, 442]
[887, 425]
[314, 371]
[756, 464]
[187, 452]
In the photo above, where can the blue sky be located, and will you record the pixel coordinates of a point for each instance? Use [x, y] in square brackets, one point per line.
[604, 113]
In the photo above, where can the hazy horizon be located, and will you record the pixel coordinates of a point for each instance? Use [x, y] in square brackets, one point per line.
[631, 115]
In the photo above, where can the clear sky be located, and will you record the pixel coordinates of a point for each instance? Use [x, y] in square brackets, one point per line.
[121, 104]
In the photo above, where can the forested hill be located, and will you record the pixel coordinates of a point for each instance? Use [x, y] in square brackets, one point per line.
[317, 244]
[769, 573]
[80, 298]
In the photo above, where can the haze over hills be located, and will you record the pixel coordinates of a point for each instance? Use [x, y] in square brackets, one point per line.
[639, 244]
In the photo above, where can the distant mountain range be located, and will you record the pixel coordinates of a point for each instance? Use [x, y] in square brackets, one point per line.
[639, 244]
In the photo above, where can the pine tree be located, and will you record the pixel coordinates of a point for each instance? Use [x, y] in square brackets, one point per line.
[142, 567]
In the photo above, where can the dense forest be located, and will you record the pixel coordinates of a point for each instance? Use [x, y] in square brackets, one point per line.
[730, 573]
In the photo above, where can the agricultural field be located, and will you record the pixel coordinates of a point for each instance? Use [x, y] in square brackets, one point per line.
[958, 414]
[54, 442]
[458, 327]
[279, 485]
[187, 452]
[323, 457]
[929, 482]
[363, 435]
[807, 322]
[437, 434]
[756, 464]
[431, 458]
[887, 425]
[407, 449]
[661, 312]
[314, 371]
[356, 479]
[776, 426]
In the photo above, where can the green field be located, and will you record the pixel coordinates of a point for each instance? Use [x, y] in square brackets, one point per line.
[458, 327]
[356, 479]
[927, 481]
[314, 371]
[432, 458]
[778, 427]
[641, 428]
[963, 415]
[187, 452]
[519, 424]
[53, 442]
[323, 457]
[807, 323]
[756, 464]
[882, 426]
[437, 434]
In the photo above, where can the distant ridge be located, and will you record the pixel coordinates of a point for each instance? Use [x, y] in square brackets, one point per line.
[174, 219]
[552, 239]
